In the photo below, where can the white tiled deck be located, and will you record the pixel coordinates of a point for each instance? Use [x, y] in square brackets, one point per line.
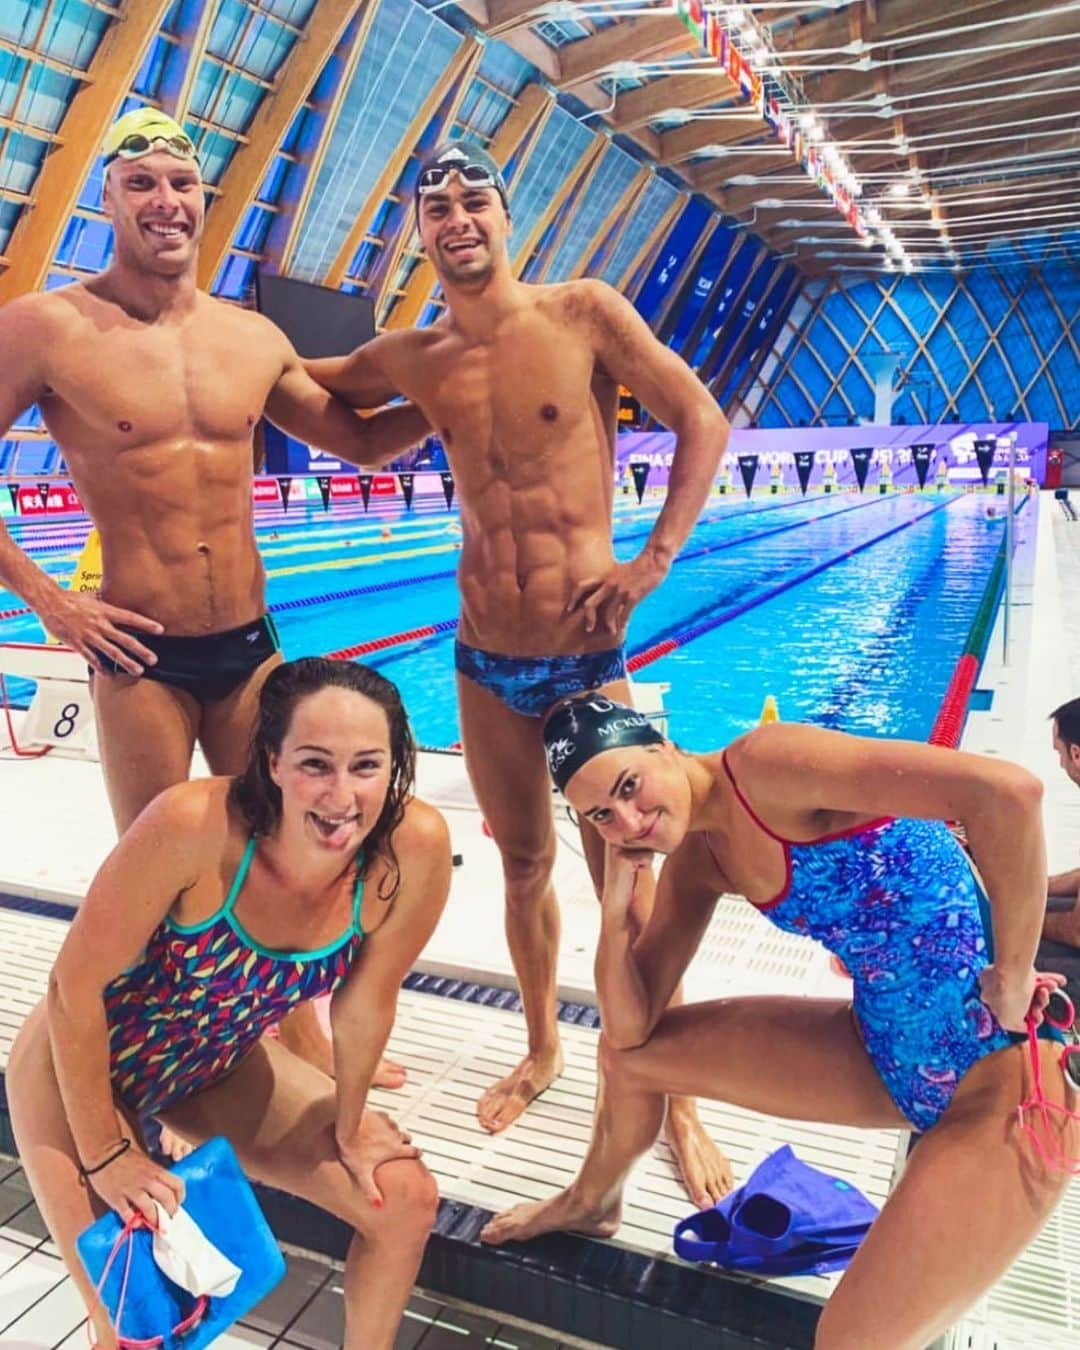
[59, 828]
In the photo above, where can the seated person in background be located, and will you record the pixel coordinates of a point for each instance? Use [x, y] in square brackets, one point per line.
[842, 839]
[1060, 949]
[227, 903]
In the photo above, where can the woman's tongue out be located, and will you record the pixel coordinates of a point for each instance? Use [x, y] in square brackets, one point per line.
[336, 831]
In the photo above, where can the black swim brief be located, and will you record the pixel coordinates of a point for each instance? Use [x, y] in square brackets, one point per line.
[207, 667]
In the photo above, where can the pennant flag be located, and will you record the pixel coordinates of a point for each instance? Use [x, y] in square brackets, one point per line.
[43, 489]
[921, 455]
[804, 462]
[323, 480]
[984, 453]
[13, 488]
[860, 458]
[748, 468]
[284, 483]
[641, 477]
[407, 489]
[365, 487]
[448, 487]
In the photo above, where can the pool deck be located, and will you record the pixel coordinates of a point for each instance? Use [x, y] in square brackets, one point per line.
[58, 829]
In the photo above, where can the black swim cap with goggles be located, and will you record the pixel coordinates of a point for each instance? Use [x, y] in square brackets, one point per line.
[472, 164]
[586, 725]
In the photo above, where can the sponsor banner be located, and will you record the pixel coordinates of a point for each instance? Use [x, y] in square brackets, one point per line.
[30, 500]
[265, 491]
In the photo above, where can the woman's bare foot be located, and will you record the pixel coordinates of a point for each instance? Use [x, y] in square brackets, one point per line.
[502, 1103]
[172, 1146]
[565, 1212]
[706, 1169]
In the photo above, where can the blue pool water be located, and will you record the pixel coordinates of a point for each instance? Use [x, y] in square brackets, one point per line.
[864, 640]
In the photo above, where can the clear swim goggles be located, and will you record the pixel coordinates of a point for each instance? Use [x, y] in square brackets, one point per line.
[137, 144]
[435, 178]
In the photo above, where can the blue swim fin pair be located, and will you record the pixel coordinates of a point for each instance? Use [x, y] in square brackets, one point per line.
[788, 1219]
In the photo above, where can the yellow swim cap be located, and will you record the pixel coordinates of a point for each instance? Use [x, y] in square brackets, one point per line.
[138, 131]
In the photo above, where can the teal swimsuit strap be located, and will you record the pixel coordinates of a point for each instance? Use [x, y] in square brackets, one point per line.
[358, 897]
[239, 879]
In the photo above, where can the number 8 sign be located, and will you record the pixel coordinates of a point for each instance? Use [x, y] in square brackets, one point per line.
[61, 715]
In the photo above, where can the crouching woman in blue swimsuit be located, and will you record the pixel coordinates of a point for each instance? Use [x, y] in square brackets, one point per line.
[841, 839]
[225, 905]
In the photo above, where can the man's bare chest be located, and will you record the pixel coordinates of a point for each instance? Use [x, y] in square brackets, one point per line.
[136, 389]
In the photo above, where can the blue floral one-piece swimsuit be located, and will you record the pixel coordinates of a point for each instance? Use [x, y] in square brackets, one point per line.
[898, 902]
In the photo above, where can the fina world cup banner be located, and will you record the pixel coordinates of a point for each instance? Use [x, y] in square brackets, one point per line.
[920, 454]
[804, 463]
[860, 460]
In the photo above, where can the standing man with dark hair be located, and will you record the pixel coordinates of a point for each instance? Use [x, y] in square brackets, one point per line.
[521, 383]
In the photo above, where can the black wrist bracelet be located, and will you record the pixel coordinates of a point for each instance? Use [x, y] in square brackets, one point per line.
[86, 1172]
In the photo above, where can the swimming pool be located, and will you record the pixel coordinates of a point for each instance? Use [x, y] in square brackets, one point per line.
[852, 610]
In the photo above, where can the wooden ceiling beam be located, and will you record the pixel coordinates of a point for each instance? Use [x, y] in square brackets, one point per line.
[645, 39]
[898, 18]
[273, 117]
[586, 163]
[638, 107]
[683, 142]
[840, 85]
[504, 16]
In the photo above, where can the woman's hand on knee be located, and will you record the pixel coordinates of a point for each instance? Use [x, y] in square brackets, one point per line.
[379, 1140]
[133, 1183]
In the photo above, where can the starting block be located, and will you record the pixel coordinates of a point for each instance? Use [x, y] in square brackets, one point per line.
[61, 714]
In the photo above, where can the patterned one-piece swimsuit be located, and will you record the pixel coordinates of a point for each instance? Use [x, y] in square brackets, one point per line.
[898, 902]
[199, 997]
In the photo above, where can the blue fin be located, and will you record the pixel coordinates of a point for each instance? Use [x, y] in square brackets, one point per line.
[788, 1218]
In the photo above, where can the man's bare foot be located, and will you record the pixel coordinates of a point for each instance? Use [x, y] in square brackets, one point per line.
[389, 1075]
[502, 1103]
[565, 1212]
[706, 1169]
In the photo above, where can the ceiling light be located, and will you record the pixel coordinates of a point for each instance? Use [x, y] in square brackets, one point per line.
[899, 190]
[770, 203]
[865, 241]
[743, 180]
